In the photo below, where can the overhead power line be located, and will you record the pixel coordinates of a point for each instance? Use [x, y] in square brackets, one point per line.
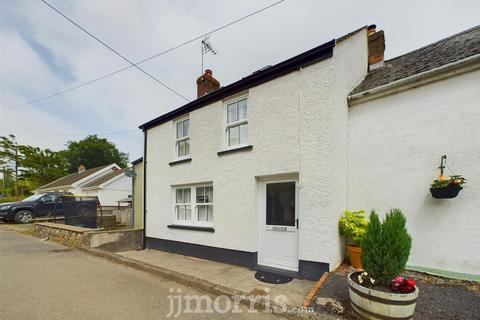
[113, 50]
[110, 133]
[146, 59]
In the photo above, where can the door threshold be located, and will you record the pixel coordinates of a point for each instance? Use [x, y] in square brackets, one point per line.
[282, 272]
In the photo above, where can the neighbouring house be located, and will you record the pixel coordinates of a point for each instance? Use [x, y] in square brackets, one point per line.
[137, 166]
[403, 117]
[109, 183]
[257, 173]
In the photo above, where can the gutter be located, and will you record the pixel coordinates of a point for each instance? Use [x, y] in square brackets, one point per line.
[52, 189]
[446, 71]
[145, 189]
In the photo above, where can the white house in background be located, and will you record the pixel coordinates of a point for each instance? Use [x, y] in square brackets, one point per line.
[257, 173]
[108, 183]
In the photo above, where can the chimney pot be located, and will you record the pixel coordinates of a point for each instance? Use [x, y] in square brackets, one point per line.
[371, 28]
[81, 168]
[206, 83]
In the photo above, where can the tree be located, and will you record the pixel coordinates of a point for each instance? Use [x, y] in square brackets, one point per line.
[386, 246]
[40, 167]
[9, 164]
[93, 152]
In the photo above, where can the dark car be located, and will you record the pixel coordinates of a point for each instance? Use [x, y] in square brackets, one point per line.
[48, 204]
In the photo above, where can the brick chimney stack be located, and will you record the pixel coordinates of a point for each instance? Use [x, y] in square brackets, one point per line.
[206, 83]
[376, 47]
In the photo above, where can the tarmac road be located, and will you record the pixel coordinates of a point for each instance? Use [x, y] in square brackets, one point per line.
[45, 280]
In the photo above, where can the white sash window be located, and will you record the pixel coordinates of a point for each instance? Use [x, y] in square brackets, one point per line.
[182, 138]
[236, 125]
[194, 205]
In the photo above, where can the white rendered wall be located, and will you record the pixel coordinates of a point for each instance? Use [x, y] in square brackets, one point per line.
[297, 125]
[395, 145]
[119, 189]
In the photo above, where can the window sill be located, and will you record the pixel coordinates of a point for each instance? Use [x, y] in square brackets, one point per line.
[194, 228]
[175, 162]
[235, 150]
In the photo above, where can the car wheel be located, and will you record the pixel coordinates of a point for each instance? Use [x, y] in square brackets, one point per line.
[23, 216]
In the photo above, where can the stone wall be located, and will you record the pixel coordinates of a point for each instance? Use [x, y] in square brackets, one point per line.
[112, 241]
[107, 222]
[69, 235]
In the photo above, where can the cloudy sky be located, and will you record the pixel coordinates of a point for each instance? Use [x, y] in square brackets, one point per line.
[42, 53]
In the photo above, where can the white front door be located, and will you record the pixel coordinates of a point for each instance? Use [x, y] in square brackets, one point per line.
[278, 223]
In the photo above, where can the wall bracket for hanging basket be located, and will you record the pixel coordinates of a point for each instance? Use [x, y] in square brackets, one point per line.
[448, 192]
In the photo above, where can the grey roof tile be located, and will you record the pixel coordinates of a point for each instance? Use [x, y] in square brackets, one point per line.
[72, 178]
[445, 51]
[105, 178]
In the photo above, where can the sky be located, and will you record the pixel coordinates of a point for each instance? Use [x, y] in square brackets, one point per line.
[41, 53]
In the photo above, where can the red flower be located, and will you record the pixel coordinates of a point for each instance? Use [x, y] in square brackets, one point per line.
[410, 282]
[403, 285]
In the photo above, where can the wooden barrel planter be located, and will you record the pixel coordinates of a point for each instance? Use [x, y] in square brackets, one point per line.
[368, 303]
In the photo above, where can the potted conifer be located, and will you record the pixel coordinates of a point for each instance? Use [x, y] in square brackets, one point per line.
[353, 225]
[379, 292]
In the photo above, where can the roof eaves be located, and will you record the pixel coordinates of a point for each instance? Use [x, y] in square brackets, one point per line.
[42, 188]
[114, 178]
[304, 59]
[452, 69]
[107, 167]
[137, 160]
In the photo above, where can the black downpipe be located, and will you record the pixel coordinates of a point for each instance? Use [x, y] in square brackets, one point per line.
[144, 189]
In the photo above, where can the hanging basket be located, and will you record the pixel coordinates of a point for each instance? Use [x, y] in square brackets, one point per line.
[448, 192]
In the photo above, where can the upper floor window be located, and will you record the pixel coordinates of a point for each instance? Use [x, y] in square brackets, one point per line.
[182, 138]
[236, 127]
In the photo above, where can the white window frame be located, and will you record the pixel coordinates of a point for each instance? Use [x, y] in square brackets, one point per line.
[193, 206]
[177, 140]
[227, 125]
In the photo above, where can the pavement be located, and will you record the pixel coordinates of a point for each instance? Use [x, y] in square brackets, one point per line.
[237, 278]
[45, 280]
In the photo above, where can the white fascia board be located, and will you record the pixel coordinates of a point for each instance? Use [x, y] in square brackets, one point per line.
[446, 71]
[52, 188]
[94, 175]
[117, 177]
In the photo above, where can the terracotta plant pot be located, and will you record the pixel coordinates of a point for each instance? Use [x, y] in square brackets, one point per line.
[368, 303]
[355, 254]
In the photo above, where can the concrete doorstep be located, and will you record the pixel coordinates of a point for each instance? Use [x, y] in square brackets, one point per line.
[257, 298]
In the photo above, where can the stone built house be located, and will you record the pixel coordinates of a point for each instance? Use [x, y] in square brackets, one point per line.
[109, 183]
[257, 173]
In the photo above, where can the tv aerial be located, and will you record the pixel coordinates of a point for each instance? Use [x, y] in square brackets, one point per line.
[206, 48]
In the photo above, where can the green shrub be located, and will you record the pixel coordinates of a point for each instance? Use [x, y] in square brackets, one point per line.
[9, 199]
[386, 246]
[353, 225]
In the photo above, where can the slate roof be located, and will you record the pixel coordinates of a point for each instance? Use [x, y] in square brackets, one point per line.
[322, 52]
[105, 178]
[71, 178]
[454, 48]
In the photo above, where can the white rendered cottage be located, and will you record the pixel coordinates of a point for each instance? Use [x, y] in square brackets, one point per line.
[109, 183]
[257, 173]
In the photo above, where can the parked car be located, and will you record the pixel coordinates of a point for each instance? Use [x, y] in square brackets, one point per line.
[48, 204]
